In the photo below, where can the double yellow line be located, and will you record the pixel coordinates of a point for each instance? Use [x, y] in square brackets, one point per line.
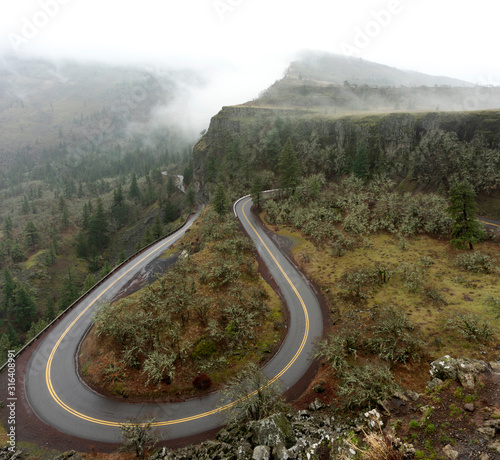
[74, 412]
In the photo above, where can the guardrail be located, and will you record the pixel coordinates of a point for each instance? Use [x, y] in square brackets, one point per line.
[101, 281]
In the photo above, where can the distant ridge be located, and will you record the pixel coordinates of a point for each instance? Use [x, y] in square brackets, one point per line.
[326, 68]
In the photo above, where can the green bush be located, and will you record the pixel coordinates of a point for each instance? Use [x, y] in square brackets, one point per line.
[205, 349]
[394, 337]
[475, 262]
[472, 327]
[363, 386]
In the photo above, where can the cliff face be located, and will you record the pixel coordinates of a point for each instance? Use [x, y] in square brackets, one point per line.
[393, 141]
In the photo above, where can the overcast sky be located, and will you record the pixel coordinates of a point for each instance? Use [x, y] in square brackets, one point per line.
[243, 46]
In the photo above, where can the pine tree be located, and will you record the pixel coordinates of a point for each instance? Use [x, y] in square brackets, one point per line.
[98, 234]
[220, 201]
[7, 228]
[360, 166]
[273, 149]
[190, 198]
[289, 167]
[157, 230]
[119, 208]
[134, 191]
[256, 191]
[466, 229]
[25, 209]
[170, 212]
[69, 292]
[31, 235]
[16, 252]
[188, 173]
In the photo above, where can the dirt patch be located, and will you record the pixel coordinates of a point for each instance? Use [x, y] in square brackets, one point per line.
[147, 275]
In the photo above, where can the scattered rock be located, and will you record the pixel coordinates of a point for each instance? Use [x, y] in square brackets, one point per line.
[495, 366]
[484, 457]
[495, 447]
[413, 395]
[450, 453]
[469, 407]
[261, 453]
[244, 451]
[316, 405]
[463, 370]
[272, 431]
[434, 383]
[487, 431]
[444, 368]
[280, 452]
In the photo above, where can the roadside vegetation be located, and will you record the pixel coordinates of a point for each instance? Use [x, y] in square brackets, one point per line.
[399, 292]
[192, 329]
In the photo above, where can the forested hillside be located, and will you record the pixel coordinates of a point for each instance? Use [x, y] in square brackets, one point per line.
[81, 181]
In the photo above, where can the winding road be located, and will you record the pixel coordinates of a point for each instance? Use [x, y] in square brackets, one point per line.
[59, 397]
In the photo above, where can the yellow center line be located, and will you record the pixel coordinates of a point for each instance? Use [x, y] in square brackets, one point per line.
[489, 223]
[194, 417]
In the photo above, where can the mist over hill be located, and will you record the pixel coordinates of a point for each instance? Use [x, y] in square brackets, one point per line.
[88, 106]
[338, 84]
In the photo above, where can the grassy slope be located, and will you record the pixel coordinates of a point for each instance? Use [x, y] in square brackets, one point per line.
[463, 291]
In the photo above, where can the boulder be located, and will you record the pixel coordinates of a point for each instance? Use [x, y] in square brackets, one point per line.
[261, 453]
[444, 368]
[244, 451]
[280, 452]
[434, 383]
[316, 405]
[463, 370]
[272, 431]
[495, 447]
[450, 452]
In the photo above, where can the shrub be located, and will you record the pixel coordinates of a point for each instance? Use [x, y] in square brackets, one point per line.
[475, 262]
[205, 349]
[394, 337]
[435, 295]
[357, 282]
[494, 304]
[472, 327]
[412, 277]
[202, 381]
[159, 366]
[363, 386]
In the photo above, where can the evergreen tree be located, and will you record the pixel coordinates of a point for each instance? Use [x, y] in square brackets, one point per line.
[157, 230]
[12, 336]
[170, 212]
[134, 191]
[466, 229]
[8, 288]
[82, 247]
[190, 198]
[31, 235]
[23, 309]
[360, 166]
[16, 252]
[289, 167]
[256, 191]
[50, 311]
[25, 209]
[188, 173]
[69, 292]
[273, 149]
[89, 282]
[220, 201]
[85, 216]
[119, 208]
[4, 348]
[7, 228]
[98, 234]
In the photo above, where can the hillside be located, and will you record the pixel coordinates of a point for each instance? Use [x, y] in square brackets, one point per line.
[83, 106]
[335, 84]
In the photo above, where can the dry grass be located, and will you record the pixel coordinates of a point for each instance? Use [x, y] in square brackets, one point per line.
[460, 291]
